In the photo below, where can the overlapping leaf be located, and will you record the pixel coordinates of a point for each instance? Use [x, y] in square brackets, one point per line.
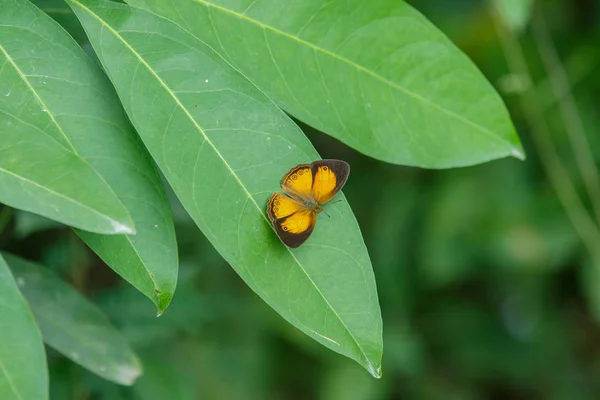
[374, 74]
[223, 146]
[23, 372]
[74, 326]
[40, 169]
[66, 147]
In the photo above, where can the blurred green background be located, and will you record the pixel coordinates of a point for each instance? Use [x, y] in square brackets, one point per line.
[486, 289]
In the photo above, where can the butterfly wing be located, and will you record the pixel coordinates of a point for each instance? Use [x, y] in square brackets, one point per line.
[298, 182]
[304, 184]
[328, 178]
[292, 221]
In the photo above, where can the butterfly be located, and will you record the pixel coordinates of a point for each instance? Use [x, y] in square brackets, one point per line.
[307, 187]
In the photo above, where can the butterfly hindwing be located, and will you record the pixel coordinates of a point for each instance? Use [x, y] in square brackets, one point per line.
[281, 206]
[292, 221]
[295, 229]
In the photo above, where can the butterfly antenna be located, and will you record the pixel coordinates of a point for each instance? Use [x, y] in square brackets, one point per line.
[324, 212]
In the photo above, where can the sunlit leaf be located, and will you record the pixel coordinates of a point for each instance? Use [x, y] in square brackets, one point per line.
[224, 147]
[74, 326]
[376, 75]
[40, 168]
[92, 131]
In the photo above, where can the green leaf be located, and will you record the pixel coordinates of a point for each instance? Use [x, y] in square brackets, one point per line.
[223, 146]
[40, 168]
[61, 13]
[376, 75]
[84, 109]
[74, 326]
[23, 371]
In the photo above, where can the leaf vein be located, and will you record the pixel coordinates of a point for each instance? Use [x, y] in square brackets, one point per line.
[225, 163]
[59, 195]
[367, 71]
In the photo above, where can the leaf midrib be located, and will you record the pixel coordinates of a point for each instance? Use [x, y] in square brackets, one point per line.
[359, 67]
[47, 189]
[72, 147]
[38, 99]
[218, 153]
[50, 114]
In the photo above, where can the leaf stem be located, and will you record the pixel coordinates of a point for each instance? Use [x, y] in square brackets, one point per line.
[559, 83]
[551, 162]
[577, 66]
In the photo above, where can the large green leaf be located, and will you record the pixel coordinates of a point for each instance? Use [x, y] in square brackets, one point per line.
[74, 326]
[23, 372]
[82, 108]
[224, 147]
[40, 168]
[374, 74]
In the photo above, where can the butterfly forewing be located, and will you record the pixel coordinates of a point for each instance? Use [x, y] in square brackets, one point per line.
[329, 176]
[298, 182]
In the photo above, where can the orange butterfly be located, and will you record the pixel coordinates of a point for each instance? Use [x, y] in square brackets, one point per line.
[307, 187]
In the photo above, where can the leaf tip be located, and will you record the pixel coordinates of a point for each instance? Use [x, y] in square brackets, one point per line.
[128, 373]
[518, 153]
[162, 301]
[374, 370]
[123, 229]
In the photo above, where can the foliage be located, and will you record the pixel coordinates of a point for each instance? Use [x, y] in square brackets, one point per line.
[484, 285]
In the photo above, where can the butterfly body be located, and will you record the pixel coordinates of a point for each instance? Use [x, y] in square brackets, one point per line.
[307, 187]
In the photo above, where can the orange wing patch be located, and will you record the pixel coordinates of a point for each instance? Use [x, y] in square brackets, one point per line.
[292, 221]
[298, 182]
[325, 184]
[281, 206]
[296, 228]
[299, 222]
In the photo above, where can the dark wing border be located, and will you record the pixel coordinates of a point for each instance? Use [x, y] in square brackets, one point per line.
[293, 240]
[340, 168]
[293, 170]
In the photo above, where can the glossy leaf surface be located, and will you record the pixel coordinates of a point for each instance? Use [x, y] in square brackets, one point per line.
[223, 146]
[40, 168]
[80, 137]
[376, 75]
